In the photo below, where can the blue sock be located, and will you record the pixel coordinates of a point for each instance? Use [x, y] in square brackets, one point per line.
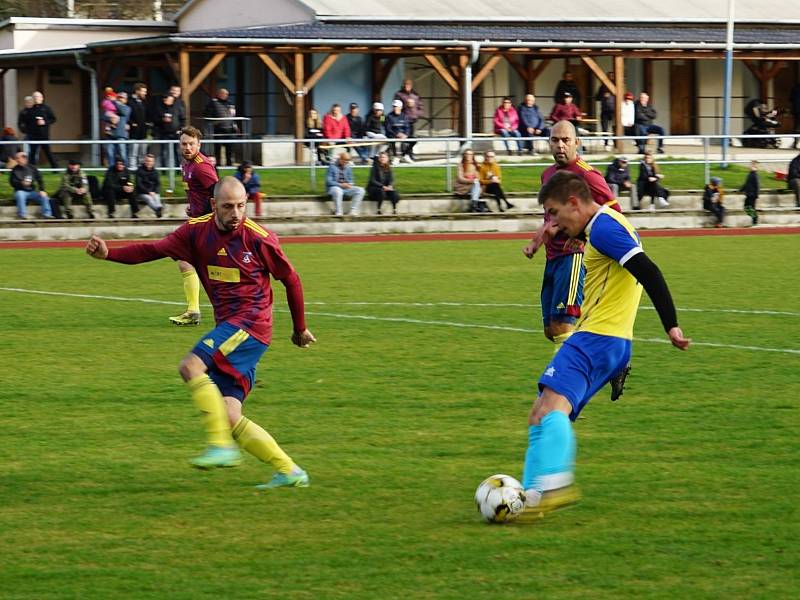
[550, 457]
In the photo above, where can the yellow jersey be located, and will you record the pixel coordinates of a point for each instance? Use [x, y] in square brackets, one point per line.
[611, 293]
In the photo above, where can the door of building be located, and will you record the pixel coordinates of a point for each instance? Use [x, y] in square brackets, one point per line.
[682, 97]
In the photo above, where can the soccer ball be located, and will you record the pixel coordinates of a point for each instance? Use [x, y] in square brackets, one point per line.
[500, 498]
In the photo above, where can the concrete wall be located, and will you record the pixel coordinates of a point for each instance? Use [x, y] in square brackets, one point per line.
[44, 39]
[204, 14]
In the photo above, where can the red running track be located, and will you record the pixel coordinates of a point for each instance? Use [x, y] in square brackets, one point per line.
[431, 237]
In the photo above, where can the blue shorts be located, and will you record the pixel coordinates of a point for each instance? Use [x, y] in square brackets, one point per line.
[231, 355]
[562, 289]
[584, 364]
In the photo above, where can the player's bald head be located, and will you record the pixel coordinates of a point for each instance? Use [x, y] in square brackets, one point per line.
[229, 188]
[563, 129]
[564, 143]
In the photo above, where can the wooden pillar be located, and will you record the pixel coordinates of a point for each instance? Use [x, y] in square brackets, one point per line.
[185, 80]
[299, 105]
[619, 80]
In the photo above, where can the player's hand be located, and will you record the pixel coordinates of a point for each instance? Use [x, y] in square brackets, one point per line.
[303, 339]
[530, 249]
[96, 247]
[676, 337]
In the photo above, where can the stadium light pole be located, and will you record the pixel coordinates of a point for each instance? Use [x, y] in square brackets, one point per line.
[726, 110]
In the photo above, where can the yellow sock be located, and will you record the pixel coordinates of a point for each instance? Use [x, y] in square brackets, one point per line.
[208, 399]
[191, 288]
[255, 440]
[559, 340]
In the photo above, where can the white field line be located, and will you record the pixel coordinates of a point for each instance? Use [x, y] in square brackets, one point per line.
[400, 319]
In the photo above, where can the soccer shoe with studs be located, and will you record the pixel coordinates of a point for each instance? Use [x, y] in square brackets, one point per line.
[285, 480]
[218, 457]
[618, 383]
[187, 318]
[538, 506]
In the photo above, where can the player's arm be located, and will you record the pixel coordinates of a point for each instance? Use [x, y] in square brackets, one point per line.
[540, 237]
[649, 275]
[281, 269]
[171, 246]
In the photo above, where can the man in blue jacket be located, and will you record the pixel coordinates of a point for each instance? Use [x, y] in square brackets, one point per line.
[531, 121]
[339, 183]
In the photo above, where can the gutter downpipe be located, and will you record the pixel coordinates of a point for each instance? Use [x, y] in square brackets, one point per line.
[726, 109]
[473, 58]
[95, 107]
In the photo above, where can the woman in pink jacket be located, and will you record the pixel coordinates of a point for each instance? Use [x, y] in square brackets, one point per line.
[335, 125]
[506, 124]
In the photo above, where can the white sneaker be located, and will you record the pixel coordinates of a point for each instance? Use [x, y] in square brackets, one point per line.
[395, 161]
[408, 159]
[662, 203]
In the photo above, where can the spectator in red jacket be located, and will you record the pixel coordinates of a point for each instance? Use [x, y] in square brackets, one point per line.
[335, 125]
[566, 110]
[506, 124]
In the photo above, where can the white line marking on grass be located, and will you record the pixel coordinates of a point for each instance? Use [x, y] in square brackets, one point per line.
[396, 320]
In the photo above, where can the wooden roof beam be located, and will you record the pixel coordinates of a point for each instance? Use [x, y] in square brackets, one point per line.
[321, 70]
[204, 72]
[442, 71]
[277, 71]
[485, 70]
[600, 74]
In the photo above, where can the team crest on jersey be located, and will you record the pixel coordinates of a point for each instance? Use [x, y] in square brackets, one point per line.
[247, 257]
[222, 252]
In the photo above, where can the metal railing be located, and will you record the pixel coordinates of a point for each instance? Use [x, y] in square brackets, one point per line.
[438, 152]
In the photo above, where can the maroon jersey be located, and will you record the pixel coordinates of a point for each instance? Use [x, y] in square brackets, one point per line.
[601, 193]
[234, 267]
[199, 176]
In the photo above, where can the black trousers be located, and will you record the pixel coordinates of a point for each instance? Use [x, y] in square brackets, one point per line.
[111, 198]
[499, 195]
[45, 148]
[378, 195]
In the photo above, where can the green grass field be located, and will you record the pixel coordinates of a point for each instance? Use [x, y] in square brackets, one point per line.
[418, 388]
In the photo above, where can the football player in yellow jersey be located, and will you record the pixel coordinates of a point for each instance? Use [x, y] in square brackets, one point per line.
[616, 270]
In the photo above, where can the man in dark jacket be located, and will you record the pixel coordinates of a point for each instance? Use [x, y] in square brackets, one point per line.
[222, 108]
[607, 105]
[138, 122]
[793, 178]
[148, 185]
[118, 185]
[645, 114]
[531, 121]
[358, 130]
[37, 127]
[28, 185]
[618, 178]
[397, 127]
[166, 124]
[567, 85]
[751, 189]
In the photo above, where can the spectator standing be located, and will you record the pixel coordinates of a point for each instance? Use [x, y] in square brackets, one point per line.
[531, 121]
[23, 120]
[713, 196]
[491, 178]
[794, 104]
[138, 124]
[74, 188]
[628, 115]
[506, 124]
[751, 189]
[412, 115]
[413, 107]
[566, 110]
[118, 185]
[357, 131]
[618, 178]
[123, 125]
[793, 178]
[166, 126]
[251, 182]
[374, 128]
[567, 86]
[180, 107]
[468, 182]
[148, 185]
[339, 183]
[607, 105]
[314, 132]
[220, 107]
[649, 182]
[27, 183]
[7, 151]
[40, 117]
[398, 128]
[645, 114]
[381, 183]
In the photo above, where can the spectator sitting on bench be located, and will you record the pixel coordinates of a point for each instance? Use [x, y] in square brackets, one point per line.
[339, 183]
[314, 132]
[491, 178]
[713, 195]
[531, 122]
[468, 183]
[252, 184]
[357, 131]
[566, 110]
[398, 127]
[381, 183]
[25, 179]
[335, 126]
[506, 124]
[117, 185]
[148, 184]
[649, 182]
[375, 128]
[645, 114]
[618, 178]
[74, 187]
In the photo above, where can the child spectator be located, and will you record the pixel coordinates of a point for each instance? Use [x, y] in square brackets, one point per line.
[251, 183]
[713, 195]
[381, 183]
[490, 179]
[751, 189]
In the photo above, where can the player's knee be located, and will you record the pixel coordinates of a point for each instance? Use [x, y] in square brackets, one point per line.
[548, 402]
[191, 366]
[234, 409]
